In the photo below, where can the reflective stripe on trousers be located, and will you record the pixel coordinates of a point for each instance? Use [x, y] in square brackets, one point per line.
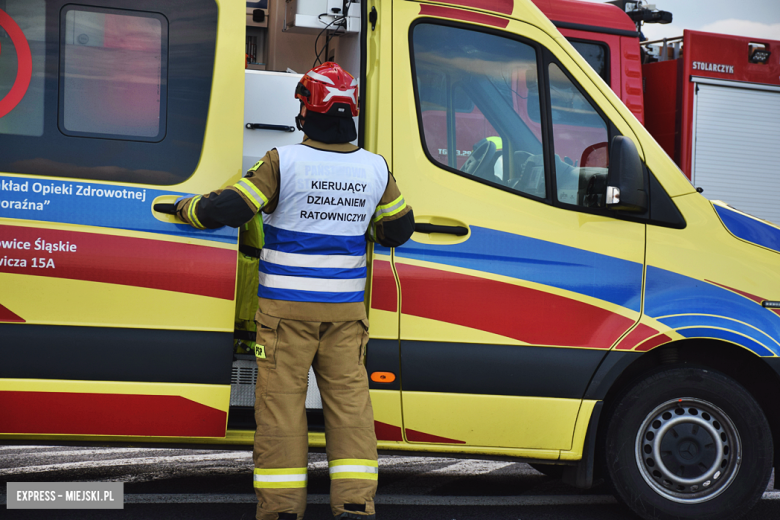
[354, 468]
[280, 478]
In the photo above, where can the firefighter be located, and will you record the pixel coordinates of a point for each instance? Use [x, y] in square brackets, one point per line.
[322, 200]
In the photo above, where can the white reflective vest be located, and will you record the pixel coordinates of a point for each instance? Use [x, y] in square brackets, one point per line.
[315, 246]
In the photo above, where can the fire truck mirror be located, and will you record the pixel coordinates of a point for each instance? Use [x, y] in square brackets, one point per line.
[626, 185]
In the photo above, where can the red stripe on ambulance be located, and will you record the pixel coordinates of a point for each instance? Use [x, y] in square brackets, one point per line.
[7, 316]
[138, 262]
[387, 432]
[417, 436]
[384, 294]
[638, 335]
[759, 300]
[653, 342]
[525, 314]
[108, 414]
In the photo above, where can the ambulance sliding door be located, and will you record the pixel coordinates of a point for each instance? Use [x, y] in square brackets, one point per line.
[521, 282]
[114, 320]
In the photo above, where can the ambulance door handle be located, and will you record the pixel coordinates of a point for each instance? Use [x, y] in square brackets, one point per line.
[434, 228]
[162, 207]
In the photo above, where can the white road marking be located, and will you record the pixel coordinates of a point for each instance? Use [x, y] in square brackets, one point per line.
[25, 447]
[454, 469]
[425, 482]
[318, 464]
[88, 452]
[386, 462]
[470, 467]
[190, 457]
[87, 464]
[394, 460]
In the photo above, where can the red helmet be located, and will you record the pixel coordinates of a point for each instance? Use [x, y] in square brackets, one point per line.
[329, 89]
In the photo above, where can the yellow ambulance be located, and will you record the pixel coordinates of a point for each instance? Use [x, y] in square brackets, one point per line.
[568, 299]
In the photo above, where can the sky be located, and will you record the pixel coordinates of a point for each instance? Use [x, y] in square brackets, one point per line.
[753, 18]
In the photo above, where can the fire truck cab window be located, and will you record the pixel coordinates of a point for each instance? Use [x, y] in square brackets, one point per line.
[596, 54]
[475, 93]
[113, 74]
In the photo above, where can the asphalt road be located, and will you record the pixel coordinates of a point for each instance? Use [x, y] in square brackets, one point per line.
[202, 484]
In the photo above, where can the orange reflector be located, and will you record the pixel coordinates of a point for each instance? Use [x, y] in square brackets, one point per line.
[382, 377]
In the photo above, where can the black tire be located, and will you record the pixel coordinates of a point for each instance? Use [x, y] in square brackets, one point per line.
[550, 470]
[688, 442]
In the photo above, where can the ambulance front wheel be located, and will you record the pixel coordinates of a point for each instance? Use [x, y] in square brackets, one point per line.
[688, 442]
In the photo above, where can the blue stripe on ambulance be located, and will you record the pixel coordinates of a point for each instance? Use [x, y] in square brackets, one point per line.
[668, 294]
[698, 320]
[591, 274]
[749, 229]
[733, 337]
[102, 205]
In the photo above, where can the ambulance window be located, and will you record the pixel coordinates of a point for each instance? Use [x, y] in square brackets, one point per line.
[434, 100]
[475, 94]
[580, 138]
[22, 55]
[119, 94]
[113, 73]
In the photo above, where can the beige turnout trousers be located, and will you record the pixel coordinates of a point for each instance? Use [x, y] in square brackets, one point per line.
[286, 349]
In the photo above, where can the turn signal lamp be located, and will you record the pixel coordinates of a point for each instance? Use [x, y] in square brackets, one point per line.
[382, 377]
[771, 305]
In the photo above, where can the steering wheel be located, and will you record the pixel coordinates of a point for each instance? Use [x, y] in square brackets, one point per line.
[479, 156]
[531, 178]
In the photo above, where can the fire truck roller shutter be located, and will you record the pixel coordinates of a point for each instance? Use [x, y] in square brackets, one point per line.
[734, 126]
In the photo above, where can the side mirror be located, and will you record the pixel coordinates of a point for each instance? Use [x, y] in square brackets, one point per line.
[626, 189]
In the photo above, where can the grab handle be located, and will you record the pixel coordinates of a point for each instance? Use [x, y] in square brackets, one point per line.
[434, 228]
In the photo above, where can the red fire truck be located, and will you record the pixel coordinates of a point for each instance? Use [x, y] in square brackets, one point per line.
[710, 100]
